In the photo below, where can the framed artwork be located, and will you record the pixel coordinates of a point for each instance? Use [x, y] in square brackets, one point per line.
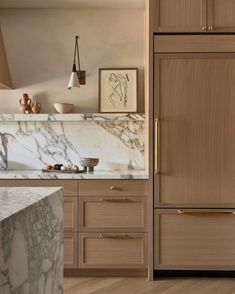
[118, 90]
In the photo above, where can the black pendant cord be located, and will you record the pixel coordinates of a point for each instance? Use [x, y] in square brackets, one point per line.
[78, 56]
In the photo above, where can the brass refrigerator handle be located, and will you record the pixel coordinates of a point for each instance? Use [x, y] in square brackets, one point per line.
[157, 146]
[183, 212]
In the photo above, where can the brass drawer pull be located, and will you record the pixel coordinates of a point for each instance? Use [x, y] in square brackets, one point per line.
[115, 200]
[203, 29]
[210, 29]
[113, 188]
[122, 236]
[180, 211]
[157, 146]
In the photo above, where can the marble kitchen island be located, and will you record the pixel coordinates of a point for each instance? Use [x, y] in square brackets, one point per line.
[31, 240]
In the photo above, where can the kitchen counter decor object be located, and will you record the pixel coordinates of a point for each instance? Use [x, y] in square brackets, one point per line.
[63, 107]
[25, 104]
[89, 163]
[36, 107]
[63, 171]
[78, 77]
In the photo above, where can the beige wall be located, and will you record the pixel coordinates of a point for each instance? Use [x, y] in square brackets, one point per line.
[40, 44]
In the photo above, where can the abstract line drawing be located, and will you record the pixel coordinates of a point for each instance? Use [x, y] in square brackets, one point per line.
[119, 85]
[118, 90]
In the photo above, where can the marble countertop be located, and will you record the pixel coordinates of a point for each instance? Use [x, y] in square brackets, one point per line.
[38, 174]
[13, 200]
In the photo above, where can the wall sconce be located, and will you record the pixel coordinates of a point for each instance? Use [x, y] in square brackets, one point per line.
[78, 77]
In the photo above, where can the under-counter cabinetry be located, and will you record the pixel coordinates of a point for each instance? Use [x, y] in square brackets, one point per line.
[113, 229]
[204, 16]
[194, 239]
[105, 222]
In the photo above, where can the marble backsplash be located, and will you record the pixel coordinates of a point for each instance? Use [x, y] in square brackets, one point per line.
[29, 144]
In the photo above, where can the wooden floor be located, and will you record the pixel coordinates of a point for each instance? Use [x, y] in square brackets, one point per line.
[142, 286]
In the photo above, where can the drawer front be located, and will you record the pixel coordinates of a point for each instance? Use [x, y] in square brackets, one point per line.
[194, 239]
[112, 214]
[112, 250]
[70, 186]
[70, 214]
[70, 250]
[113, 188]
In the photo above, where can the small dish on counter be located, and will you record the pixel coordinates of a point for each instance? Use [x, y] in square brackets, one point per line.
[89, 163]
[63, 107]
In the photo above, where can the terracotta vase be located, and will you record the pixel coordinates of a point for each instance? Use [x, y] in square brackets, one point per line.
[36, 107]
[25, 104]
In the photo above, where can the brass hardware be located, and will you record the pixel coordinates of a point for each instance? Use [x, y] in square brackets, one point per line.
[113, 188]
[180, 211]
[210, 29]
[115, 200]
[122, 236]
[203, 29]
[157, 146]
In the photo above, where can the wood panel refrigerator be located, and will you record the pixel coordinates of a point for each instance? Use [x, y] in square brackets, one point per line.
[194, 185]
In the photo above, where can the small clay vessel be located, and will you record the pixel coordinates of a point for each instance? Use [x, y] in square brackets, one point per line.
[25, 104]
[36, 107]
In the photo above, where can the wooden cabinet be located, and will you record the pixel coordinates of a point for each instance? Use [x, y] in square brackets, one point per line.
[204, 16]
[221, 15]
[179, 15]
[112, 214]
[110, 188]
[112, 250]
[70, 250]
[70, 214]
[195, 105]
[194, 239]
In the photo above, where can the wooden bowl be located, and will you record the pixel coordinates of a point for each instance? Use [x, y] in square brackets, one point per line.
[63, 107]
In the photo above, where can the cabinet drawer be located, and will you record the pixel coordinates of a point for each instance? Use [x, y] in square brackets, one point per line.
[113, 188]
[70, 250]
[194, 239]
[112, 250]
[112, 214]
[70, 214]
[70, 186]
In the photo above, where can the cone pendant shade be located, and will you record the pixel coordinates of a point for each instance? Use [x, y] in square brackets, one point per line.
[74, 81]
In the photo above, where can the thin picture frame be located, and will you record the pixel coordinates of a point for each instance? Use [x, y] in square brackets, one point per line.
[118, 90]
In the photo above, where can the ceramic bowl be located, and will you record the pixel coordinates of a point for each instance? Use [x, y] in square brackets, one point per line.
[63, 107]
[89, 163]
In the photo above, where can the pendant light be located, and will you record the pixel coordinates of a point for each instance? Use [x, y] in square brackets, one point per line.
[78, 77]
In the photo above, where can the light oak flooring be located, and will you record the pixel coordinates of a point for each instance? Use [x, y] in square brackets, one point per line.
[142, 286]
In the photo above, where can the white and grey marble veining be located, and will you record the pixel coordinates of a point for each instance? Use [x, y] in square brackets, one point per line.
[38, 174]
[72, 117]
[31, 145]
[31, 242]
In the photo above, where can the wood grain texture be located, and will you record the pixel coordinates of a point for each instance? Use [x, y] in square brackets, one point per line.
[99, 214]
[70, 186]
[5, 79]
[201, 239]
[194, 43]
[112, 188]
[221, 15]
[70, 250]
[196, 107]
[110, 251]
[70, 214]
[179, 15]
[140, 285]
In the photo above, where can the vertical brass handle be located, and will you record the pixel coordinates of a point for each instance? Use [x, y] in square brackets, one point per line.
[210, 29]
[203, 29]
[157, 146]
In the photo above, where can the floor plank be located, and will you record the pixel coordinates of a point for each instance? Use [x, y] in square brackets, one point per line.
[140, 285]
